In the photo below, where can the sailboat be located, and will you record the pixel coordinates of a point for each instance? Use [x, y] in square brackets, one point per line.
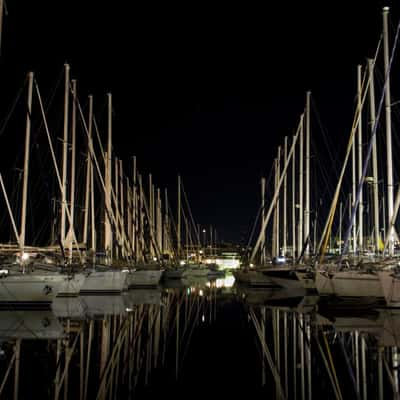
[351, 278]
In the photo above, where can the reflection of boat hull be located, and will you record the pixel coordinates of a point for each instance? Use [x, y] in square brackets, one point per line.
[30, 288]
[348, 284]
[69, 307]
[144, 278]
[100, 305]
[277, 297]
[135, 297]
[30, 324]
[104, 282]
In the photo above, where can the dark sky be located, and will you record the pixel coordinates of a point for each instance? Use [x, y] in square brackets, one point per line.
[207, 89]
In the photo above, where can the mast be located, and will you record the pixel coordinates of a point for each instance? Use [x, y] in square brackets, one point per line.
[278, 167]
[65, 154]
[122, 207]
[276, 194]
[275, 217]
[374, 154]
[307, 205]
[284, 244]
[134, 210]
[108, 183]
[26, 163]
[73, 156]
[353, 247]
[91, 190]
[262, 220]
[360, 163]
[301, 205]
[87, 186]
[178, 229]
[159, 221]
[388, 130]
[294, 205]
[151, 214]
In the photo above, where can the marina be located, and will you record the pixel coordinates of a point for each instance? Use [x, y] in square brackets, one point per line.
[162, 236]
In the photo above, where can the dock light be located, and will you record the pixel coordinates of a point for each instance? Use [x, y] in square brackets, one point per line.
[154, 258]
[25, 256]
[201, 292]
[128, 309]
[251, 265]
[182, 262]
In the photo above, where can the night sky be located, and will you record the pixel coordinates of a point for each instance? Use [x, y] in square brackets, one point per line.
[204, 89]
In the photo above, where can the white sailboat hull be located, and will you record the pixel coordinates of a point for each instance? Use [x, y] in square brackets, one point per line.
[144, 278]
[348, 284]
[98, 282]
[30, 288]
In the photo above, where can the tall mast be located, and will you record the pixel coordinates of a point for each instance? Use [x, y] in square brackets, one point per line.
[276, 194]
[353, 247]
[108, 183]
[284, 244]
[26, 163]
[301, 177]
[151, 214]
[374, 154]
[73, 156]
[178, 229]
[134, 210]
[122, 207]
[360, 163]
[388, 130]
[117, 209]
[294, 205]
[91, 169]
[278, 176]
[262, 220]
[275, 217]
[87, 187]
[65, 154]
[159, 221]
[307, 205]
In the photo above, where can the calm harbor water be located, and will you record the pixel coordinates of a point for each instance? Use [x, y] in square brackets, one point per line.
[204, 340]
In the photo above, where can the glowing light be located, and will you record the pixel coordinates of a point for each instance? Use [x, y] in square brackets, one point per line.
[3, 271]
[154, 258]
[201, 292]
[251, 265]
[203, 318]
[182, 262]
[25, 256]
[128, 309]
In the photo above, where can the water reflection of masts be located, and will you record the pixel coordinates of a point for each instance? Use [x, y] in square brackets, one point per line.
[266, 352]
